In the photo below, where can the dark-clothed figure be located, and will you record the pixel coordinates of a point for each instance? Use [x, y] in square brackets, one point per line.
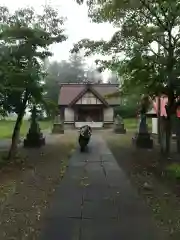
[84, 136]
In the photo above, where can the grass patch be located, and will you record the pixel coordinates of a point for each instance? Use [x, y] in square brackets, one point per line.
[173, 171]
[132, 123]
[7, 126]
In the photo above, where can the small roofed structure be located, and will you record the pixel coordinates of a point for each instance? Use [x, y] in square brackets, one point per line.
[86, 103]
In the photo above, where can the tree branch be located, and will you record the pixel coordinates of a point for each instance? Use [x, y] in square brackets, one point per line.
[153, 52]
[143, 2]
[176, 39]
[164, 46]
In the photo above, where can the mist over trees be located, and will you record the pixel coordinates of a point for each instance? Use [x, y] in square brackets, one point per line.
[113, 78]
[74, 70]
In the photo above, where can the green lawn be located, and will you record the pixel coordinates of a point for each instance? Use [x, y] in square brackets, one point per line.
[132, 123]
[6, 127]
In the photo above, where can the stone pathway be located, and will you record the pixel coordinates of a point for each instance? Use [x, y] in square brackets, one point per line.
[95, 200]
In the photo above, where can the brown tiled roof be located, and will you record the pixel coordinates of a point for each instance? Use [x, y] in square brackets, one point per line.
[68, 92]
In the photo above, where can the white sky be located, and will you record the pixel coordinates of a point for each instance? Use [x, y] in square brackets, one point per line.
[77, 25]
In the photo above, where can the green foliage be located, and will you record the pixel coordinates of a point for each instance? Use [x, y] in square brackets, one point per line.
[25, 37]
[128, 106]
[126, 111]
[144, 104]
[173, 170]
[140, 25]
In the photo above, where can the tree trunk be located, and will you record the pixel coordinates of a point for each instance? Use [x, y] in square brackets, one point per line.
[163, 134]
[17, 127]
[178, 134]
[170, 113]
[178, 143]
[168, 136]
[15, 136]
[171, 96]
[159, 120]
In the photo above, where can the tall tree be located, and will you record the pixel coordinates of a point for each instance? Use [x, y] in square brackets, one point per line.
[25, 36]
[52, 87]
[71, 71]
[142, 24]
[93, 75]
[76, 67]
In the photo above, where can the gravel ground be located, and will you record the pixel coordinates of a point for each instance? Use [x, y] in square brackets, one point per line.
[25, 193]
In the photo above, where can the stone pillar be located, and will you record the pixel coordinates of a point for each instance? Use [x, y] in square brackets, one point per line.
[178, 134]
[119, 125]
[142, 138]
[58, 126]
[34, 137]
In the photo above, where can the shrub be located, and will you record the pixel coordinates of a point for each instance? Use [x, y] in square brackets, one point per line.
[173, 170]
[126, 111]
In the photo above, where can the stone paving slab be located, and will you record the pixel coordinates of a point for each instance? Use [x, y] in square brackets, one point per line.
[60, 228]
[73, 174]
[115, 230]
[95, 195]
[65, 208]
[66, 192]
[108, 157]
[102, 209]
[95, 179]
[95, 200]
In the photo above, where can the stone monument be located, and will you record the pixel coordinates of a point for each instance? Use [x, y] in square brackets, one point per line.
[143, 138]
[34, 137]
[119, 125]
[58, 126]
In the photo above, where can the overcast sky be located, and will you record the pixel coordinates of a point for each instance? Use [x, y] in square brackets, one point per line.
[77, 25]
